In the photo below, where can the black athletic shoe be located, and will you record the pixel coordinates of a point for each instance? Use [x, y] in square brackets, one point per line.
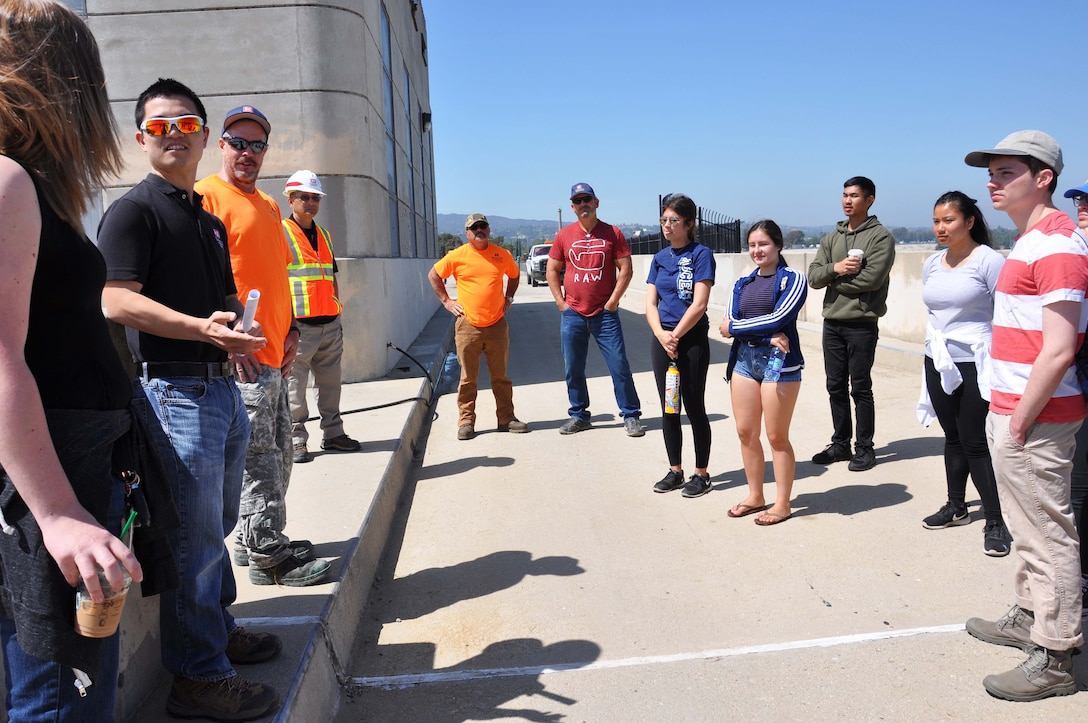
[996, 541]
[697, 486]
[672, 481]
[864, 458]
[948, 516]
[831, 453]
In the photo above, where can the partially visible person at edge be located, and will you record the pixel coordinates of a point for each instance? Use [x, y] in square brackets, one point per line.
[1036, 407]
[169, 281]
[597, 263]
[856, 298]
[677, 292]
[958, 285]
[316, 298]
[61, 505]
[1079, 480]
[478, 267]
[762, 319]
[259, 257]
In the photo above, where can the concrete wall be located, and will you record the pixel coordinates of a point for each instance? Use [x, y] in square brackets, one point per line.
[906, 317]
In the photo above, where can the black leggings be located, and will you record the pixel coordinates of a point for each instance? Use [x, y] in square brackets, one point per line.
[962, 415]
[693, 361]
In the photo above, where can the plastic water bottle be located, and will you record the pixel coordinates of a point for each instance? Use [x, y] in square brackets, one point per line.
[672, 389]
[774, 366]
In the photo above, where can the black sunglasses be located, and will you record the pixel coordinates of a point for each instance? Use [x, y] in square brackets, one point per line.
[478, 226]
[240, 144]
[581, 199]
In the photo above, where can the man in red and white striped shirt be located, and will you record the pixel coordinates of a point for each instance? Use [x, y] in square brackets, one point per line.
[1036, 407]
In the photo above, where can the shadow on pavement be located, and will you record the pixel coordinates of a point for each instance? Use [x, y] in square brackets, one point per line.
[426, 591]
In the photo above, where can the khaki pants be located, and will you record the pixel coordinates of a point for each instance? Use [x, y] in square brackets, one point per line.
[320, 347]
[1033, 485]
[492, 342]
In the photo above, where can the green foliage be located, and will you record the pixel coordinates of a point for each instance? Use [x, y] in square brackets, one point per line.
[448, 242]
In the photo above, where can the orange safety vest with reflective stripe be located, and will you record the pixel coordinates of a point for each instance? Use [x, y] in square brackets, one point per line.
[310, 272]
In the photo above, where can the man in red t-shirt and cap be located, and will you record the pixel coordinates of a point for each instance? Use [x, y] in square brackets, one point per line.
[598, 271]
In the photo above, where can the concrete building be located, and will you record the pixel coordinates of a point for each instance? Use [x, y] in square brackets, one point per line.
[345, 86]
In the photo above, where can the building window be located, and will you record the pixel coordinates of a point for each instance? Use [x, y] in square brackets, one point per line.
[390, 137]
[411, 161]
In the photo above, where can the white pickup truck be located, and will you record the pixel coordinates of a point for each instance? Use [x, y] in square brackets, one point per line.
[536, 264]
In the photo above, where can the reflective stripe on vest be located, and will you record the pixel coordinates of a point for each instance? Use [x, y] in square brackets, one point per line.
[310, 273]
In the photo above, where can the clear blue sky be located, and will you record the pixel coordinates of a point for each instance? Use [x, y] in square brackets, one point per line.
[753, 109]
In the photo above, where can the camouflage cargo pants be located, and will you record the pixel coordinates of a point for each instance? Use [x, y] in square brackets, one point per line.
[263, 509]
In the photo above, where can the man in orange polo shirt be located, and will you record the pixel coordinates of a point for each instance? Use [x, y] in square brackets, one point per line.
[480, 307]
[259, 257]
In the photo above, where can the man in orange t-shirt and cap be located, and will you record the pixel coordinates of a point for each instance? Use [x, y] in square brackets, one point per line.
[480, 307]
[259, 257]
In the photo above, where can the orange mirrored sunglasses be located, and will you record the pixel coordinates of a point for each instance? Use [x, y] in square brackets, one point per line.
[184, 123]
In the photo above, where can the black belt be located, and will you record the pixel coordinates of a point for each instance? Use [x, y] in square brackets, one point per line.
[757, 343]
[200, 370]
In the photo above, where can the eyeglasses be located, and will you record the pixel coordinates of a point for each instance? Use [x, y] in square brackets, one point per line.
[581, 199]
[306, 197]
[1080, 200]
[240, 144]
[669, 220]
[186, 124]
[479, 227]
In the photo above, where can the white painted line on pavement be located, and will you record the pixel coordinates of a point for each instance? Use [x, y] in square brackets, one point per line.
[447, 676]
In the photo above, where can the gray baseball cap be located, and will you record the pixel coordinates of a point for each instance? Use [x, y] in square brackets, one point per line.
[1036, 144]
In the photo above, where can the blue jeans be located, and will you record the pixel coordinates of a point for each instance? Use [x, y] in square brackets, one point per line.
[202, 432]
[42, 690]
[575, 330]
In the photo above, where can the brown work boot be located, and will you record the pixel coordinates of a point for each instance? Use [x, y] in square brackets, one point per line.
[466, 431]
[1013, 629]
[230, 699]
[1044, 674]
[245, 647]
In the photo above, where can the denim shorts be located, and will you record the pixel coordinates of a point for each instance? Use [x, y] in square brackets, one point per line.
[752, 362]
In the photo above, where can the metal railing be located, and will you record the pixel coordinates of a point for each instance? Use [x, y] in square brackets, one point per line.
[717, 231]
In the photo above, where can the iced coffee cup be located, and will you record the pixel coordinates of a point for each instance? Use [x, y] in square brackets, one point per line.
[100, 619]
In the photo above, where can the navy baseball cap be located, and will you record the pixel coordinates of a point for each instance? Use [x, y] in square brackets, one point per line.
[247, 112]
[582, 189]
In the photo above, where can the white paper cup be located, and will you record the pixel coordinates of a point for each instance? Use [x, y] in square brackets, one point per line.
[855, 253]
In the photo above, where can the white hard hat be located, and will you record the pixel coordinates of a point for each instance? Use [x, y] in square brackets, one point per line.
[303, 181]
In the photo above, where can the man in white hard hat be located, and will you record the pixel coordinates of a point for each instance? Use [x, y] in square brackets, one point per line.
[314, 294]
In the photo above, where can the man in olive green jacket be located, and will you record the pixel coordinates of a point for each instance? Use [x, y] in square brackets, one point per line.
[854, 264]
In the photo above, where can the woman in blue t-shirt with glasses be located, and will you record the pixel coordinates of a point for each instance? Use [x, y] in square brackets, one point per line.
[677, 292]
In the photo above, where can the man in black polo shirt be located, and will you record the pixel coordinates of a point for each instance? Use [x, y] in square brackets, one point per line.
[170, 283]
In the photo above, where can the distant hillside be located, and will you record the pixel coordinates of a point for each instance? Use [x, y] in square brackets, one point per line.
[500, 226]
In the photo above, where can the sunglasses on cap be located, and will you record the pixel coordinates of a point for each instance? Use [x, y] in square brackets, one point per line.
[240, 144]
[186, 124]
